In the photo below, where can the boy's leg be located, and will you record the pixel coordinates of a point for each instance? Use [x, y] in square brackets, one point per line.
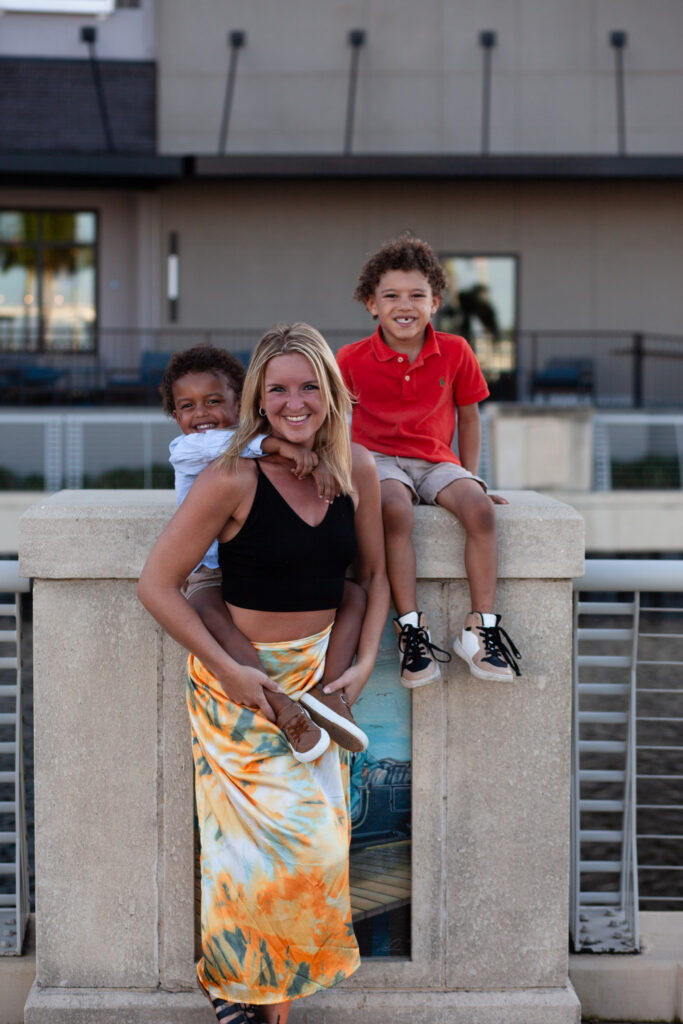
[418, 663]
[307, 740]
[469, 503]
[482, 644]
[330, 710]
[398, 519]
[345, 634]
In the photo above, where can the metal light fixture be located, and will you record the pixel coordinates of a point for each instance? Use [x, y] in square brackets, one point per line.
[236, 40]
[618, 40]
[356, 39]
[88, 35]
[487, 40]
[172, 276]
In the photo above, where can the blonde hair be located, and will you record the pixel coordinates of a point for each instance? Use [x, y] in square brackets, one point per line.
[332, 443]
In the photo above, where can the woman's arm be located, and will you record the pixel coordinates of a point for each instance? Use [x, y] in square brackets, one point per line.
[370, 574]
[211, 502]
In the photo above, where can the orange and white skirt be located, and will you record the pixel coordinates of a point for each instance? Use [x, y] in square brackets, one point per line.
[274, 833]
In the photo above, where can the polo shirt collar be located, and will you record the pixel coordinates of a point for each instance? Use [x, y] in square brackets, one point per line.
[384, 353]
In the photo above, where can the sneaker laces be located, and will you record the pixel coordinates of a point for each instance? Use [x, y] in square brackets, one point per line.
[495, 638]
[414, 643]
[295, 728]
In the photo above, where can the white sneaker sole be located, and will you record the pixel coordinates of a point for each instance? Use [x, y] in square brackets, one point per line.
[412, 684]
[315, 752]
[342, 727]
[480, 673]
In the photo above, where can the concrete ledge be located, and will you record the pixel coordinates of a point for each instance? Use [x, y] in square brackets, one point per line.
[17, 974]
[629, 520]
[643, 987]
[337, 1006]
[61, 537]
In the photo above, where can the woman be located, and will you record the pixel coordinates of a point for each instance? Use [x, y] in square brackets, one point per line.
[276, 921]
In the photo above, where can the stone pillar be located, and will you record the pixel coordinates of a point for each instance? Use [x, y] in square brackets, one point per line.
[114, 842]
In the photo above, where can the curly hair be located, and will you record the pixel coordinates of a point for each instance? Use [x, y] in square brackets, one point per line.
[403, 253]
[332, 442]
[200, 359]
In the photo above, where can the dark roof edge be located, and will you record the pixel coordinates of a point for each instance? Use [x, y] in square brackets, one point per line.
[82, 169]
[438, 166]
[50, 168]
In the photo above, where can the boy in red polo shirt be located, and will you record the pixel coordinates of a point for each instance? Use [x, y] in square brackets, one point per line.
[410, 381]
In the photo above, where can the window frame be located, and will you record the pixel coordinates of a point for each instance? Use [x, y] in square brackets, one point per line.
[39, 246]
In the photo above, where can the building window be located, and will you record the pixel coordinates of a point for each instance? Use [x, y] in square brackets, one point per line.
[48, 280]
[481, 304]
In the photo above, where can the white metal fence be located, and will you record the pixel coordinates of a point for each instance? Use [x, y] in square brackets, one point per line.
[14, 883]
[51, 450]
[627, 750]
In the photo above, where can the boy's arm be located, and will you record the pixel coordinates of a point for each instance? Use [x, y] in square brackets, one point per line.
[304, 459]
[469, 443]
[469, 437]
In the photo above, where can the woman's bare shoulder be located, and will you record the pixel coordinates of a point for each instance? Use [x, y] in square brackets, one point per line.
[361, 459]
[225, 484]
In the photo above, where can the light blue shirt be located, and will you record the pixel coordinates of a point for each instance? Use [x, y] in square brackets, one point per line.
[191, 453]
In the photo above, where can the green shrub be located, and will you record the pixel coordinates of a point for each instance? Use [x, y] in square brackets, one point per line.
[654, 472]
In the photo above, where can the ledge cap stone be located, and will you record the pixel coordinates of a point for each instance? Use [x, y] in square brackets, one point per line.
[108, 535]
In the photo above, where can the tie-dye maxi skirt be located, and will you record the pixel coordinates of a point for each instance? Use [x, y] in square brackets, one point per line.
[274, 833]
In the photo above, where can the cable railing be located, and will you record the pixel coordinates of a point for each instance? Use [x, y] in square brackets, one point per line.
[627, 751]
[14, 878]
[608, 369]
[43, 450]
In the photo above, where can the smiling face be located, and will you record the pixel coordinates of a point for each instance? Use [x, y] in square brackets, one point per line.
[204, 401]
[404, 303]
[294, 406]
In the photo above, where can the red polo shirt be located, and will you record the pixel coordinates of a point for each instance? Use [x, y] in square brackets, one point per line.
[408, 409]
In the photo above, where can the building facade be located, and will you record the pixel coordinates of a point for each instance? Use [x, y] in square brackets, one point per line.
[174, 171]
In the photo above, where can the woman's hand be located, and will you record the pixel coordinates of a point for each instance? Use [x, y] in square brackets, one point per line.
[351, 682]
[247, 687]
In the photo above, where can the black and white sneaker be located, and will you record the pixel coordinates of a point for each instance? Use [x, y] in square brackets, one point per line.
[487, 649]
[419, 664]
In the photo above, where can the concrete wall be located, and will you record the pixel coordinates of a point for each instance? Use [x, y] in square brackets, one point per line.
[420, 73]
[253, 253]
[114, 785]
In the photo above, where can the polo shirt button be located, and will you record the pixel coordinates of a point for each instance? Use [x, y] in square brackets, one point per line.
[407, 376]
[400, 359]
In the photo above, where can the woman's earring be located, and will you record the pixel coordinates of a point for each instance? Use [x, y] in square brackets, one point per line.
[261, 412]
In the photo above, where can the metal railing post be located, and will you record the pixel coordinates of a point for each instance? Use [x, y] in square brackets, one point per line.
[637, 370]
[14, 906]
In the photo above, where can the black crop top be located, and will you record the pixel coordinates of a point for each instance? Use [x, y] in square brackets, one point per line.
[278, 563]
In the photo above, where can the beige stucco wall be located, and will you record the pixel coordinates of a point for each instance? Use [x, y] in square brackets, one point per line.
[254, 252]
[419, 87]
[113, 784]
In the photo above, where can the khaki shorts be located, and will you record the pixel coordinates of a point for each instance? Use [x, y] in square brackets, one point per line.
[200, 579]
[423, 479]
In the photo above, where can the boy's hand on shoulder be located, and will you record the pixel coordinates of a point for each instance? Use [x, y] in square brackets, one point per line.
[498, 500]
[328, 488]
